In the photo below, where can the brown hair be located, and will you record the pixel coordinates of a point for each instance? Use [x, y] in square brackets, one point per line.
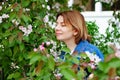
[76, 19]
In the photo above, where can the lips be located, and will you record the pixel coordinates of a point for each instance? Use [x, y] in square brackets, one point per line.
[58, 33]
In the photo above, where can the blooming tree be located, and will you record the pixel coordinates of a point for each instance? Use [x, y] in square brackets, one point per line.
[26, 36]
[28, 47]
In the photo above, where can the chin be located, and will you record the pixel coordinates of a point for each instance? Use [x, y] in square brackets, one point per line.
[60, 39]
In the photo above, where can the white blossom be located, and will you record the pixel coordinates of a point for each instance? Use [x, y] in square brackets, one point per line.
[93, 57]
[11, 10]
[46, 0]
[5, 16]
[26, 9]
[48, 43]
[3, 3]
[27, 30]
[0, 7]
[48, 7]
[43, 5]
[30, 27]
[1, 46]
[13, 65]
[14, 21]
[0, 19]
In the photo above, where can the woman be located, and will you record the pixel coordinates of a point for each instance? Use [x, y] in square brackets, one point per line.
[71, 29]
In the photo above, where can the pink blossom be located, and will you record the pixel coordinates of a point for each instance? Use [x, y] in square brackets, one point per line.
[92, 65]
[41, 47]
[43, 43]
[48, 43]
[117, 54]
[35, 49]
[20, 27]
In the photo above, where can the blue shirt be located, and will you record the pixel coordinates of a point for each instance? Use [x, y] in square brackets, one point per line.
[85, 46]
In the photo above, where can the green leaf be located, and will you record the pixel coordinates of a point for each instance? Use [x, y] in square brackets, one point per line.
[34, 57]
[65, 49]
[11, 41]
[26, 18]
[68, 74]
[9, 52]
[6, 34]
[81, 74]
[26, 38]
[75, 60]
[104, 67]
[22, 47]
[12, 16]
[6, 25]
[110, 50]
[64, 65]
[42, 1]
[17, 75]
[25, 3]
[114, 63]
[51, 63]
[14, 75]
[5, 42]
[83, 55]
[37, 23]
[10, 76]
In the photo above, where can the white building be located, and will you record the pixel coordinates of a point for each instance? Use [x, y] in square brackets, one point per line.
[100, 17]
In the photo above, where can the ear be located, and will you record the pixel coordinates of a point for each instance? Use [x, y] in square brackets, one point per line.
[75, 32]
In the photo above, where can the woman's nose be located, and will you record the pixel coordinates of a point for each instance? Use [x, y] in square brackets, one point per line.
[57, 27]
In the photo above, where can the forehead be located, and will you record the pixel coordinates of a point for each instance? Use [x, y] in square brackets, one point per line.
[63, 20]
[60, 19]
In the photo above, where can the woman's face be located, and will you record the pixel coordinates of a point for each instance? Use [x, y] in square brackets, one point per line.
[64, 32]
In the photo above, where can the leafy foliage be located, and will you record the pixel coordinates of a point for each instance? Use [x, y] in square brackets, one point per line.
[25, 31]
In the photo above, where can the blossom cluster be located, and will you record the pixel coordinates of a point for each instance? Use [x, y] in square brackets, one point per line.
[27, 30]
[14, 21]
[4, 16]
[88, 59]
[2, 47]
[14, 66]
[52, 50]
[116, 48]
[94, 59]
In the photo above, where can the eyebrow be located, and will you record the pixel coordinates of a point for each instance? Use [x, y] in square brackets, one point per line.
[61, 22]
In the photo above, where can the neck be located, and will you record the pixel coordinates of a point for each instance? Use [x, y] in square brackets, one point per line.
[71, 45]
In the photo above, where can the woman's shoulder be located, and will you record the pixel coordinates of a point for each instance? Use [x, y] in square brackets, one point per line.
[87, 46]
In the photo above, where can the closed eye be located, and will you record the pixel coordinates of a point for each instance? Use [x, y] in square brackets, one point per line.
[62, 24]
